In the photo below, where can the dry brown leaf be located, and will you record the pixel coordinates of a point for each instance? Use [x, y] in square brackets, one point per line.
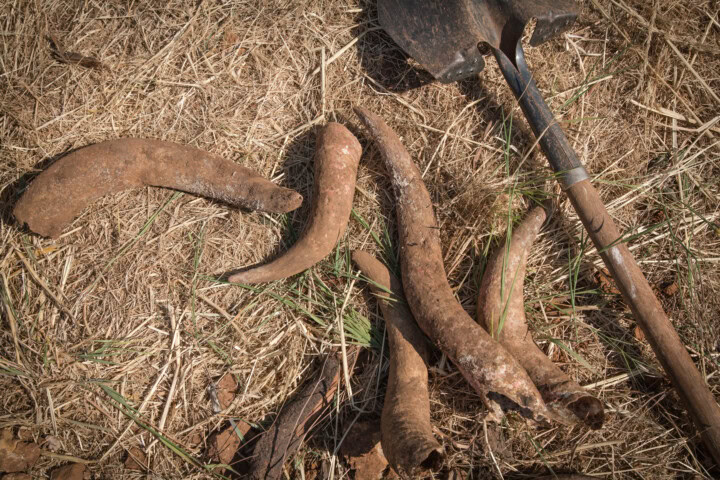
[73, 471]
[226, 389]
[72, 58]
[671, 289]
[136, 459]
[606, 282]
[638, 333]
[224, 444]
[16, 456]
[363, 452]
[195, 439]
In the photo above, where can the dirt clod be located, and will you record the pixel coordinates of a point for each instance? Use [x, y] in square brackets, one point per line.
[223, 445]
[16, 476]
[363, 452]
[136, 459]
[73, 471]
[16, 456]
[671, 289]
[226, 390]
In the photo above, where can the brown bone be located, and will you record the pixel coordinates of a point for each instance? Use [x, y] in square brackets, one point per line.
[407, 439]
[279, 443]
[69, 185]
[336, 162]
[502, 311]
[494, 374]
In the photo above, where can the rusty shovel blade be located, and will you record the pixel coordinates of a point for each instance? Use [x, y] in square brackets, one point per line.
[443, 35]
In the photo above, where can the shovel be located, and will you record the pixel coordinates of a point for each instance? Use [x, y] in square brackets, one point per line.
[445, 36]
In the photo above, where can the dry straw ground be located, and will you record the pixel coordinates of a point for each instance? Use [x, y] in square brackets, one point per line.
[125, 308]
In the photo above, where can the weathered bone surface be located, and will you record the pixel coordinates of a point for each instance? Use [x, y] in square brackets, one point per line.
[280, 442]
[61, 192]
[497, 377]
[336, 162]
[407, 439]
[502, 311]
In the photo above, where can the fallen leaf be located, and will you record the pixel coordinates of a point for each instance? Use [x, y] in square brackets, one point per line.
[136, 459]
[16, 456]
[606, 282]
[226, 389]
[671, 289]
[195, 439]
[72, 58]
[361, 448]
[72, 471]
[224, 444]
[24, 434]
[639, 334]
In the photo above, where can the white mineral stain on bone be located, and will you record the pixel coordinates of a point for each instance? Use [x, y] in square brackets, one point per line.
[496, 374]
[345, 150]
[466, 360]
[401, 182]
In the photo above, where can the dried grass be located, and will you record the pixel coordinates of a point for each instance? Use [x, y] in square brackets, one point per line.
[92, 311]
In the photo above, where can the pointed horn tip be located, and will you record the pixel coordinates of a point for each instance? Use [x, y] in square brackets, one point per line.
[365, 115]
[294, 201]
[550, 206]
[368, 264]
[284, 201]
[241, 277]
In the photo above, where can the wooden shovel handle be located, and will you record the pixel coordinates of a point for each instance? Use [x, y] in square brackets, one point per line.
[634, 287]
[649, 314]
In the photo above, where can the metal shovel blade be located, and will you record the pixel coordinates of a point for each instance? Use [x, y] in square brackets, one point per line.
[443, 35]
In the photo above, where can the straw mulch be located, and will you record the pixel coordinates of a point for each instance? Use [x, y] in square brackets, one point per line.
[127, 303]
